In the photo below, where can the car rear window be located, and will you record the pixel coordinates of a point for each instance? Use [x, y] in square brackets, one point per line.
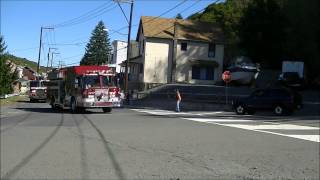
[293, 75]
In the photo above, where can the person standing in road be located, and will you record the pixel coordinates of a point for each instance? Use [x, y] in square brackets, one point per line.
[178, 98]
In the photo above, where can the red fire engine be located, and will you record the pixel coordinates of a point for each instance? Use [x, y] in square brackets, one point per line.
[82, 87]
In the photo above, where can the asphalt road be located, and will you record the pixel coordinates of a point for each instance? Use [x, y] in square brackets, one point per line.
[38, 143]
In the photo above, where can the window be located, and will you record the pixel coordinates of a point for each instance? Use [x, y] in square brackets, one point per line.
[184, 46]
[211, 50]
[202, 73]
[91, 81]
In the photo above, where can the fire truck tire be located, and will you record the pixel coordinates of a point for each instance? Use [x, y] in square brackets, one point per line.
[107, 109]
[73, 105]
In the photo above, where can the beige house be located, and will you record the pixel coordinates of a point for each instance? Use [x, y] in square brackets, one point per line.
[176, 51]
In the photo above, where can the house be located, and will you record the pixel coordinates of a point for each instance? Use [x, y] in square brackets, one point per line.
[21, 86]
[29, 74]
[176, 51]
[120, 53]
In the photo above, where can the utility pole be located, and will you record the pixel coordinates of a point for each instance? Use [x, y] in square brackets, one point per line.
[52, 57]
[128, 49]
[128, 43]
[49, 58]
[174, 53]
[60, 64]
[38, 67]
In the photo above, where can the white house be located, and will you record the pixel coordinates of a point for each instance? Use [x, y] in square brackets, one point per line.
[176, 51]
[119, 53]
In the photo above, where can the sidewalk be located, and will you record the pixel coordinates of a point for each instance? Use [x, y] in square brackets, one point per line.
[184, 105]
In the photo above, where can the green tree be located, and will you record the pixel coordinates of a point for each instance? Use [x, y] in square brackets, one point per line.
[303, 34]
[179, 16]
[262, 32]
[98, 49]
[6, 77]
[227, 15]
[3, 46]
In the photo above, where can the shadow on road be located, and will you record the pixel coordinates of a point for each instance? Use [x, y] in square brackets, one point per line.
[27, 159]
[50, 110]
[115, 163]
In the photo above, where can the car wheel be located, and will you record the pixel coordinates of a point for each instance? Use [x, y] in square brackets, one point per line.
[240, 109]
[73, 106]
[278, 110]
[107, 109]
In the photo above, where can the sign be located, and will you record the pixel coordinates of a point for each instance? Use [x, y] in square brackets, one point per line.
[226, 76]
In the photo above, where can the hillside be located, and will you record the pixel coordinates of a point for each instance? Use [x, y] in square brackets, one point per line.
[24, 62]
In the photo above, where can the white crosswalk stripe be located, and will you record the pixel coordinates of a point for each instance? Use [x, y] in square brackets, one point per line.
[247, 124]
[264, 128]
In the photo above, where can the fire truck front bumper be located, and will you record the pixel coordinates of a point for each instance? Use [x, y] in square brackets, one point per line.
[101, 104]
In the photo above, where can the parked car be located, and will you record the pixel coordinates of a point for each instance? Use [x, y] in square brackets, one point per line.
[243, 70]
[291, 79]
[243, 75]
[279, 100]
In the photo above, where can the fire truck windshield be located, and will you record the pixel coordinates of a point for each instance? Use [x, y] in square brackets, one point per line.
[108, 81]
[94, 81]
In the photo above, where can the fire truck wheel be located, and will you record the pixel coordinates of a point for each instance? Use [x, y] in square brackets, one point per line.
[107, 109]
[73, 105]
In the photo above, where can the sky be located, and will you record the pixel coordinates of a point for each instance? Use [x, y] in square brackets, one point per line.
[74, 21]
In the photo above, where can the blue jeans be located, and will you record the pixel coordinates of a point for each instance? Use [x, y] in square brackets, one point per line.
[178, 106]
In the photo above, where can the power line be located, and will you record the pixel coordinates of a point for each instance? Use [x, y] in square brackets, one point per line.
[69, 44]
[31, 48]
[123, 12]
[216, 1]
[190, 6]
[164, 12]
[82, 54]
[54, 36]
[82, 16]
[72, 56]
[167, 11]
[85, 18]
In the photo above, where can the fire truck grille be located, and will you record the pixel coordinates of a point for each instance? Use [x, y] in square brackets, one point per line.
[40, 92]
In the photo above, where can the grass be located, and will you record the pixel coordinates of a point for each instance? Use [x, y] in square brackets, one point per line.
[13, 100]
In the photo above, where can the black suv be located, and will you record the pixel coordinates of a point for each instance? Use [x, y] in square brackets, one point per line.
[280, 100]
[291, 79]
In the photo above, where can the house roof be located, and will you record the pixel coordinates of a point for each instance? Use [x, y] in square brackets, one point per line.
[185, 29]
